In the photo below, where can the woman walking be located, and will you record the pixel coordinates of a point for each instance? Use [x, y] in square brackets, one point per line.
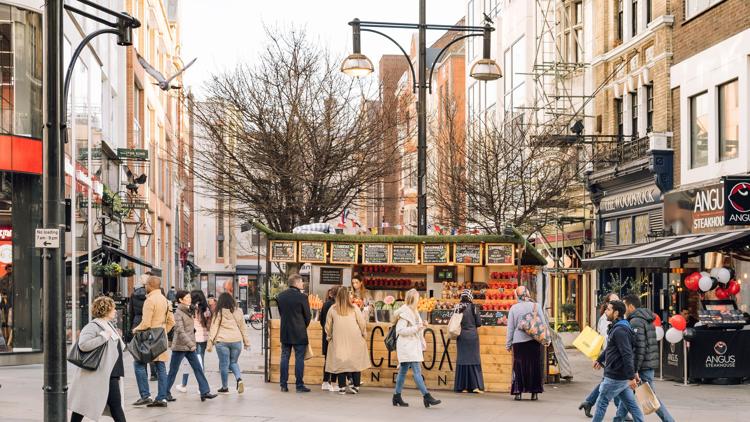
[347, 350]
[328, 378]
[527, 352]
[184, 346]
[228, 333]
[468, 362]
[93, 391]
[201, 324]
[410, 348]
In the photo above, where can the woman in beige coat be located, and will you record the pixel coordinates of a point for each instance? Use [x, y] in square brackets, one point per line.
[347, 350]
[228, 333]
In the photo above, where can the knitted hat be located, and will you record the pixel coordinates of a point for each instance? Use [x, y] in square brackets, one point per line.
[467, 293]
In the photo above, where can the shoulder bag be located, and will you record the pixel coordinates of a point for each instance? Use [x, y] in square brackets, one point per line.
[148, 344]
[86, 360]
[454, 324]
[533, 325]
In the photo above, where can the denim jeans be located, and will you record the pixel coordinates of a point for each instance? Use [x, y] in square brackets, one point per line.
[416, 371]
[200, 349]
[229, 353]
[299, 364]
[141, 378]
[194, 360]
[611, 388]
[647, 375]
[594, 395]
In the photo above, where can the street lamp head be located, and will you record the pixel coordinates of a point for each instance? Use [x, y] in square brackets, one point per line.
[486, 70]
[131, 224]
[357, 65]
[144, 233]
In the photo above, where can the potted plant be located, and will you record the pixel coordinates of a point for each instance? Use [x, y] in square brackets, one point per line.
[127, 272]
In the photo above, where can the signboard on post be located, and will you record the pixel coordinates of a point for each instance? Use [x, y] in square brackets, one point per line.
[375, 253]
[500, 254]
[283, 251]
[404, 253]
[47, 238]
[312, 252]
[344, 253]
[133, 154]
[467, 253]
[435, 253]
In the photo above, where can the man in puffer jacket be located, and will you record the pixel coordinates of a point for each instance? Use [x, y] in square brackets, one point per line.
[646, 350]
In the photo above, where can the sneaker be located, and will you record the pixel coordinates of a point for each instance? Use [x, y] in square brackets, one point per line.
[326, 386]
[240, 387]
[141, 402]
[170, 398]
[157, 403]
[342, 391]
[333, 388]
[223, 390]
[181, 388]
[354, 390]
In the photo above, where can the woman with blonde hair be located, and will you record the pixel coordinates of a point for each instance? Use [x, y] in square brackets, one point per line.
[346, 330]
[410, 348]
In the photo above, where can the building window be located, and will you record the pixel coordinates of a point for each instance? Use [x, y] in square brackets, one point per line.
[515, 63]
[620, 18]
[699, 130]
[729, 123]
[641, 223]
[694, 7]
[618, 114]
[470, 15]
[625, 231]
[634, 18]
[649, 13]
[634, 114]
[649, 108]
[573, 37]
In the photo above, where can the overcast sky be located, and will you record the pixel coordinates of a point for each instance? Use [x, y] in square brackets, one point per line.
[222, 33]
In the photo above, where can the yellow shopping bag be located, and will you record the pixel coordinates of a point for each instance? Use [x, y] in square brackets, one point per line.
[589, 342]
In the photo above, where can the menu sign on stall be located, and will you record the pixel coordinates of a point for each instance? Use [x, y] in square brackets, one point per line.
[467, 253]
[343, 253]
[404, 254]
[499, 254]
[331, 275]
[283, 251]
[312, 252]
[375, 253]
[435, 253]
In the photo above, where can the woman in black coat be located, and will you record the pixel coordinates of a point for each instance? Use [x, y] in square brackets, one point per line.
[468, 363]
[328, 377]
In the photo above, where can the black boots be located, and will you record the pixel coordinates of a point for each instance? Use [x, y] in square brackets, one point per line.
[586, 407]
[430, 401]
[397, 401]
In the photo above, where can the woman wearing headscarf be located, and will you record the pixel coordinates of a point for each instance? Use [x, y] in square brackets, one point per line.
[468, 362]
[527, 352]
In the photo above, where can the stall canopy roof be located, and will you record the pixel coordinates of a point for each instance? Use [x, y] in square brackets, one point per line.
[658, 253]
[531, 256]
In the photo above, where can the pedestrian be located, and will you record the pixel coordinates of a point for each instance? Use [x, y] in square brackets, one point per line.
[689, 318]
[93, 391]
[602, 327]
[469, 376]
[328, 378]
[527, 352]
[294, 310]
[201, 324]
[212, 303]
[346, 330]
[156, 314]
[135, 311]
[172, 294]
[184, 346]
[228, 333]
[646, 351]
[410, 348]
[619, 365]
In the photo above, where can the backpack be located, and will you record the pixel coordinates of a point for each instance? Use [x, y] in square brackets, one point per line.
[391, 339]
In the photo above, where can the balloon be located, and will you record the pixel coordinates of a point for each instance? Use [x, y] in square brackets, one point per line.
[657, 321]
[659, 332]
[722, 294]
[678, 322]
[706, 283]
[723, 275]
[689, 334]
[733, 288]
[714, 272]
[691, 281]
[705, 274]
[673, 335]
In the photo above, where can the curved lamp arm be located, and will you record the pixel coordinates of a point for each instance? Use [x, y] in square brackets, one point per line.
[408, 59]
[437, 58]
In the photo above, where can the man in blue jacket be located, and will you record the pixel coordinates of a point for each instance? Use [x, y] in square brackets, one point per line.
[618, 361]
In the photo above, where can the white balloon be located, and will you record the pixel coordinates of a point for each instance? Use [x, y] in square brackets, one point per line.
[673, 335]
[659, 332]
[705, 274]
[705, 283]
[724, 275]
[714, 272]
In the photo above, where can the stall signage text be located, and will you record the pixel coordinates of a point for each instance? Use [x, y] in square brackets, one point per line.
[344, 253]
[329, 275]
[283, 251]
[404, 253]
[435, 253]
[468, 253]
[375, 253]
[499, 254]
[312, 252]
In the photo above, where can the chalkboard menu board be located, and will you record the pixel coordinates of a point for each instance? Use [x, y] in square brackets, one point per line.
[467, 253]
[330, 275]
[404, 254]
[500, 254]
[435, 253]
[283, 251]
[344, 253]
[375, 253]
[312, 252]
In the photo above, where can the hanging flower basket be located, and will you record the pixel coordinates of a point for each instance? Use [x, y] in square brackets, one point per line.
[127, 272]
[107, 270]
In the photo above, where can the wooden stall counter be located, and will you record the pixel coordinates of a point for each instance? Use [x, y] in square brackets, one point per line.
[438, 367]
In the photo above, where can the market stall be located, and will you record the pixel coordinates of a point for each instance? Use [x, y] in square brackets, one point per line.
[439, 267]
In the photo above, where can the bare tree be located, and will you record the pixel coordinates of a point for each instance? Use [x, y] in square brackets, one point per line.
[289, 140]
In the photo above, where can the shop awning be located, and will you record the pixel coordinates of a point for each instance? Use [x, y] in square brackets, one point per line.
[115, 252]
[658, 253]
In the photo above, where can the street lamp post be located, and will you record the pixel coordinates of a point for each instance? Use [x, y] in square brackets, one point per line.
[485, 69]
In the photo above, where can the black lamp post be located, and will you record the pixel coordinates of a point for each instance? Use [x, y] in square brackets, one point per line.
[484, 69]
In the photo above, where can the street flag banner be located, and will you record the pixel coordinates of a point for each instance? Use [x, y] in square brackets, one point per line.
[589, 342]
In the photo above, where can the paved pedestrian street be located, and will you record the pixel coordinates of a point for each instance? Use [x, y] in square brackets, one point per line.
[21, 400]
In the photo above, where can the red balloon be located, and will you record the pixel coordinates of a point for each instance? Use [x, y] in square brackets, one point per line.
[678, 322]
[722, 294]
[691, 281]
[733, 288]
[657, 321]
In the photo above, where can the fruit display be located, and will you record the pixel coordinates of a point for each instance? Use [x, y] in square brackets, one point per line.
[314, 301]
[358, 302]
[427, 304]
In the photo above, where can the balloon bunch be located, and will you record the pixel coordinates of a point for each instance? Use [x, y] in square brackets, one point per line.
[659, 328]
[719, 279]
[675, 332]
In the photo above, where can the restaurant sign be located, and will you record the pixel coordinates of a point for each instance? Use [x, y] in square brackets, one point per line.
[737, 201]
[697, 210]
[631, 199]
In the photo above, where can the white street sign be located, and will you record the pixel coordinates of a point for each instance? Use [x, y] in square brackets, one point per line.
[47, 238]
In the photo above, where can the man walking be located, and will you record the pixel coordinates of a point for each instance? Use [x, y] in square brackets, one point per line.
[156, 314]
[619, 368]
[135, 311]
[646, 350]
[602, 327]
[295, 317]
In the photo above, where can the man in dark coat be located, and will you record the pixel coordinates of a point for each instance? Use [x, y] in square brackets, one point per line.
[646, 350]
[295, 317]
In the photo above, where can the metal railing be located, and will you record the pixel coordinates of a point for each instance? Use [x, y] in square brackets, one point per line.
[625, 150]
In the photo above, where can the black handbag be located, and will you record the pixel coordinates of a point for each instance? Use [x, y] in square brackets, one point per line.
[391, 339]
[86, 360]
[147, 345]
